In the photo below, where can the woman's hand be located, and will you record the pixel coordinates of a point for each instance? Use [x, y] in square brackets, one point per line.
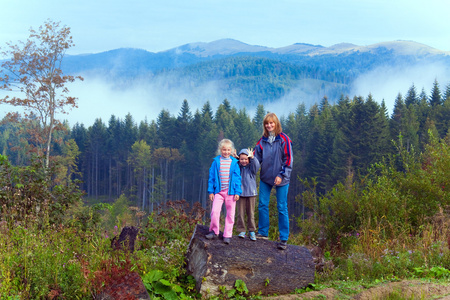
[211, 197]
[236, 197]
[277, 180]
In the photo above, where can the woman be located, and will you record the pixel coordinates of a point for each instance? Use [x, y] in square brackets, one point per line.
[274, 152]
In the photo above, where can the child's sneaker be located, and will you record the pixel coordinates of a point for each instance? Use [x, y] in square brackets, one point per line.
[242, 235]
[226, 240]
[252, 236]
[211, 235]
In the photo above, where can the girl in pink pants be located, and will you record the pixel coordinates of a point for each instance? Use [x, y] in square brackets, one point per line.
[224, 185]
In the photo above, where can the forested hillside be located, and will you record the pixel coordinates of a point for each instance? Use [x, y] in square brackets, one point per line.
[168, 158]
[260, 80]
[247, 74]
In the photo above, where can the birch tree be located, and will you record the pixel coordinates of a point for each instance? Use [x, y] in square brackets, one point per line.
[33, 71]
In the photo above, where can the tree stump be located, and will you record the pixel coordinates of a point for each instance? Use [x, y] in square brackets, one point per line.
[260, 264]
[126, 239]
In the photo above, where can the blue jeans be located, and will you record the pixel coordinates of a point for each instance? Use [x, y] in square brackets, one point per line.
[263, 208]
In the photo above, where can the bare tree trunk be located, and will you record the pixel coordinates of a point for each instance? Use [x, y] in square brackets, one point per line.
[166, 184]
[110, 179]
[96, 174]
[144, 188]
[200, 190]
[204, 190]
[153, 188]
[119, 179]
[182, 188]
[49, 141]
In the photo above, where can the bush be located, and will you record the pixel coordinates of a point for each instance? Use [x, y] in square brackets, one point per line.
[29, 194]
[165, 238]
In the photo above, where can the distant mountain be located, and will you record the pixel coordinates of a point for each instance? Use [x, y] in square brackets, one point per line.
[251, 74]
[232, 47]
[219, 47]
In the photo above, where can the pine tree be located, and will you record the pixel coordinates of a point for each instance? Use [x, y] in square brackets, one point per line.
[410, 128]
[395, 123]
[447, 93]
[357, 129]
[320, 145]
[443, 118]
[247, 135]
[376, 131]
[183, 124]
[167, 129]
[411, 97]
[207, 146]
[423, 113]
[115, 161]
[258, 119]
[300, 138]
[224, 121]
[97, 137]
[435, 98]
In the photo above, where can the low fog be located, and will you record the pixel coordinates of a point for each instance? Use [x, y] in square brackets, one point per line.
[144, 99]
[98, 98]
[387, 82]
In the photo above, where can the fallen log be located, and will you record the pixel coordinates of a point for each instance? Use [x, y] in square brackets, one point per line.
[260, 264]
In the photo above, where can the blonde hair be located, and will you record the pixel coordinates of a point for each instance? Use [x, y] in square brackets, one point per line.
[271, 117]
[223, 143]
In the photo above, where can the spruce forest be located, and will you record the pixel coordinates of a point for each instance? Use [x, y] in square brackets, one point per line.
[168, 158]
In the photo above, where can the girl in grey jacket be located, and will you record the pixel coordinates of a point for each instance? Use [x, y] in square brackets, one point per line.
[246, 206]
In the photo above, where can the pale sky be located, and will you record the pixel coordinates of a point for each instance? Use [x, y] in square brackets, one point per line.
[157, 25]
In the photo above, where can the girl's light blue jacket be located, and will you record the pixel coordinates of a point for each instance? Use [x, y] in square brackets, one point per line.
[234, 186]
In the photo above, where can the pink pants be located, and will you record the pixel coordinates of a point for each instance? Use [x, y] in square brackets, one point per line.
[230, 205]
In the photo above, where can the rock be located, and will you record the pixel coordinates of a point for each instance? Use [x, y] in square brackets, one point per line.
[260, 264]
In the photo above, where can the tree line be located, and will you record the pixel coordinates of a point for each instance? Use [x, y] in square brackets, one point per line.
[168, 158]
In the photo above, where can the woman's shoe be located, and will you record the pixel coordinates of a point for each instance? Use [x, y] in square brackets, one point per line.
[242, 235]
[252, 236]
[262, 237]
[282, 245]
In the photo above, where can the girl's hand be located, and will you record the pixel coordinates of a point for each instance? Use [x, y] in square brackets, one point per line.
[211, 197]
[250, 153]
[236, 197]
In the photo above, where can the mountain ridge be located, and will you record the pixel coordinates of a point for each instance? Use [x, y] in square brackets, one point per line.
[231, 46]
[248, 74]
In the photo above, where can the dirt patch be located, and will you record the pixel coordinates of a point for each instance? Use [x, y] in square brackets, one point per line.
[323, 294]
[412, 289]
[408, 289]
